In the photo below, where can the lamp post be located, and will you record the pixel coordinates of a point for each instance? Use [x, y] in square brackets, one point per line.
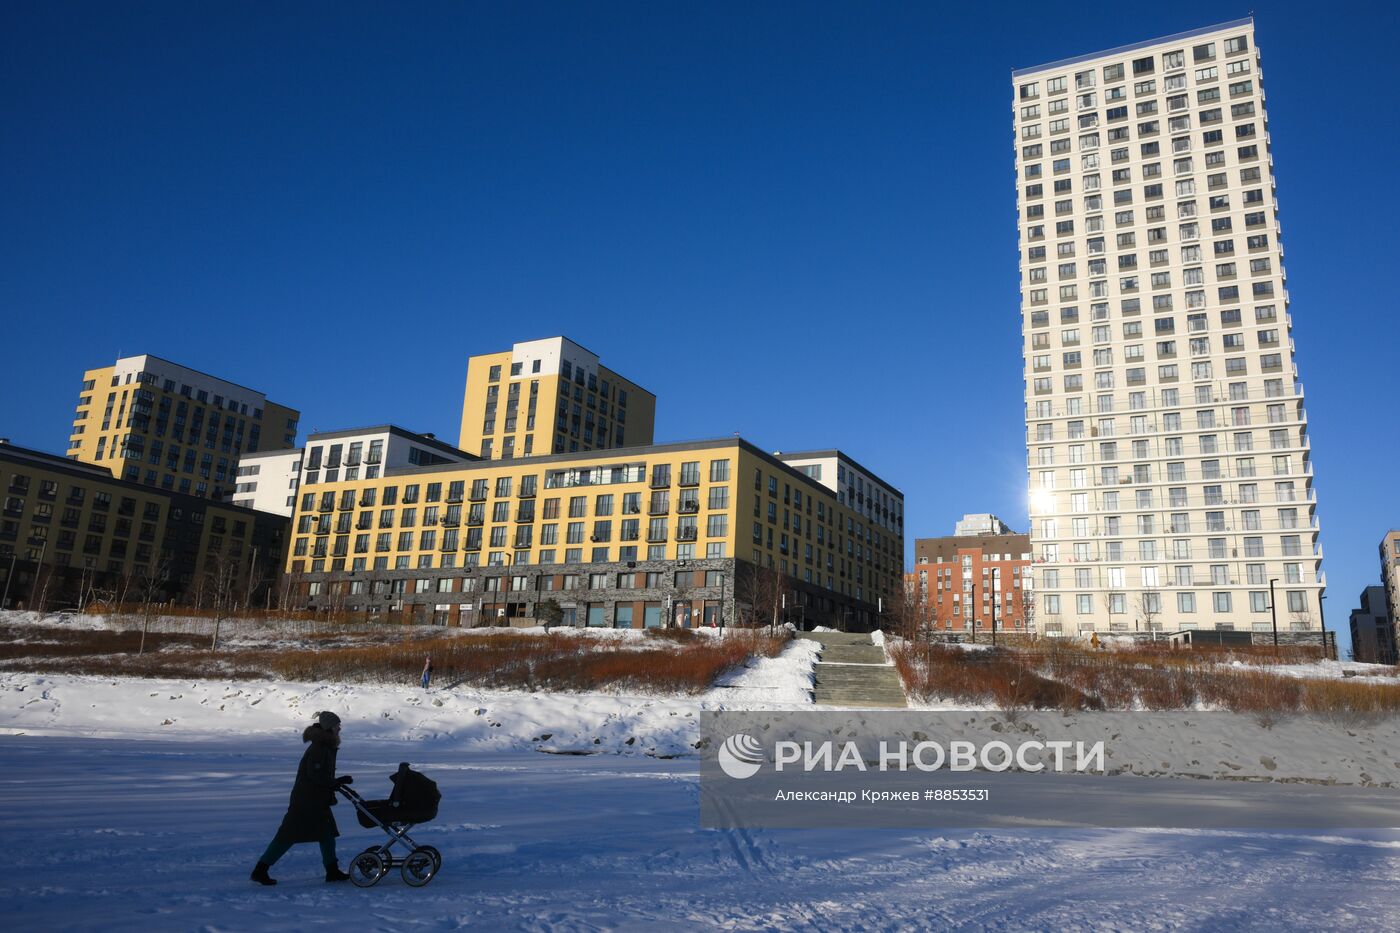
[1273, 612]
[972, 613]
[1322, 612]
[996, 598]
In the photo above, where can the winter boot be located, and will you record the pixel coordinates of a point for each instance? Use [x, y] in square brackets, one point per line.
[260, 874]
[333, 873]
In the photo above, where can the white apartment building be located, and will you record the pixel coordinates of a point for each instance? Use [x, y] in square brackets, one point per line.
[1168, 456]
[267, 481]
[856, 487]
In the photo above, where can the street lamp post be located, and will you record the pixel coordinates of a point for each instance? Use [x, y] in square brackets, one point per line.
[972, 613]
[1322, 612]
[1273, 612]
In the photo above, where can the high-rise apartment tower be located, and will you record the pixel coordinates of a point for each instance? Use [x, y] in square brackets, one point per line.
[1170, 474]
[550, 396]
[161, 424]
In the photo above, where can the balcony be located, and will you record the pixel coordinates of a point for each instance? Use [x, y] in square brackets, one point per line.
[660, 482]
[688, 508]
[326, 507]
[450, 522]
[658, 510]
[478, 495]
[687, 534]
[654, 538]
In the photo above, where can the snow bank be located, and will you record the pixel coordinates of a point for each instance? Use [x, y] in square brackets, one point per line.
[466, 718]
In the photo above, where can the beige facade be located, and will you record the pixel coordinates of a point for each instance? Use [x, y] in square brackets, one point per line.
[550, 396]
[158, 423]
[592, 516]
[1170, 477]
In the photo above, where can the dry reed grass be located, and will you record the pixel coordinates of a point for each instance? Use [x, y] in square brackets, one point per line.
[1137, 679]
[555, 661]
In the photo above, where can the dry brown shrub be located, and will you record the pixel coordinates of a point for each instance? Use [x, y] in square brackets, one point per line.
[553, 661]
[993, 676]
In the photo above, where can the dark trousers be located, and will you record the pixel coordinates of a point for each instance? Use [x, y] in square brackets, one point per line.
[278, 848]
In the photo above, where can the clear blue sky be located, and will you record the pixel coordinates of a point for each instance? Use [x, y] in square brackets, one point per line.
[795, 221]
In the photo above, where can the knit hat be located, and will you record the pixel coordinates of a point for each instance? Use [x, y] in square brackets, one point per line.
[327, 720]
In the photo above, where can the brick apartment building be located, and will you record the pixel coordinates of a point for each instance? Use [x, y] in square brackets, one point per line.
[966, 582]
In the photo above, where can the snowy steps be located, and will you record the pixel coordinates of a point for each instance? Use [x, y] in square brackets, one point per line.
[852, 671]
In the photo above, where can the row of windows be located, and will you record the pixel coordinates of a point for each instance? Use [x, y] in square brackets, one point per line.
[1173, 86]
[1159, 398]
[1179, 523]
[324, 560]
[1151, 550]
[169, 385]
[1151, 603]
[1174, 60]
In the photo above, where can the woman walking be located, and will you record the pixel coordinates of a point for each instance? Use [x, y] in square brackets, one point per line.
[427, 670]
[309, 817]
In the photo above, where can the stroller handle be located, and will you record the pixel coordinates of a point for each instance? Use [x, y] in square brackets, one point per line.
[348, 792]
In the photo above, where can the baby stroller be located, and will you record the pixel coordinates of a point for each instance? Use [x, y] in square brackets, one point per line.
[414, 800]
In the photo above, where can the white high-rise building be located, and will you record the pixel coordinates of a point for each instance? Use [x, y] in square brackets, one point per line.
[1168, 454]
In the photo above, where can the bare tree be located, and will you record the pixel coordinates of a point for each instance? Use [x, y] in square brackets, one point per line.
[1149, 608]
[223, 575]
[150, 584]
[912, 614]
[85, 585]
[257, 575]
[1304, 620]
[763, 588]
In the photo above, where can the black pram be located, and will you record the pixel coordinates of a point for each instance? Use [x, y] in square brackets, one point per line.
[414, 800]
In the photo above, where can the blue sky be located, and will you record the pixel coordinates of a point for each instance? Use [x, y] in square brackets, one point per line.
[795, 221]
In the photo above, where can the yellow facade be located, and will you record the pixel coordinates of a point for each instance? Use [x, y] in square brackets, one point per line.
[173, 432]
[80, 527]
[721, 499]
[510, 411]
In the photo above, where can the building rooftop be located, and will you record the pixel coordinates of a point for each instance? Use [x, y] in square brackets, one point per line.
[428, 439]
[61, 464]
[1124, 49]
[200, 372]
[813, 454]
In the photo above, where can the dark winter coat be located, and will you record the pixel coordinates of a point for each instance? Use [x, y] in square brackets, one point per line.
[309, 817]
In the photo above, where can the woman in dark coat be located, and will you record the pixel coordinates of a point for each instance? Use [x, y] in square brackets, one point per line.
[309, 817]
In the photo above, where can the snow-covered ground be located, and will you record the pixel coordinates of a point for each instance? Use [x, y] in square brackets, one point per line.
[141, 805]
[141, 834]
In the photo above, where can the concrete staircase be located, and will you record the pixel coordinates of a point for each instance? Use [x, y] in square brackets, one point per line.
[853, 672]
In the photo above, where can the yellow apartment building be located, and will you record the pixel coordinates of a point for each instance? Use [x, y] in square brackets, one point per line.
[694, 533]
[150, 421]
[70, 531]
[550, 396]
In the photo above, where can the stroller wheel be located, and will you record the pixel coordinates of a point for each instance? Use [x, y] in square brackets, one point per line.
[420, 866]
[437, 856]
[367, 868]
